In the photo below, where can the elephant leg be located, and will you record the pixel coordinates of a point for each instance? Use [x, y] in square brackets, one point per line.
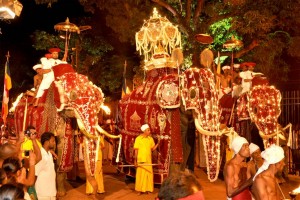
[191, 138]
[188, 137]
[60, 180]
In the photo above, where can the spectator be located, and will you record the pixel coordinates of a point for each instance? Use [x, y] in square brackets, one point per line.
[11, 192]
[45, 184]
[3, 177]
[16, 174]
[182, 186]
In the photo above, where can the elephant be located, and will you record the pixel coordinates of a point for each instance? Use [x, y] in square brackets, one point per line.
[174, 105]
[70, 96]
[255, 113]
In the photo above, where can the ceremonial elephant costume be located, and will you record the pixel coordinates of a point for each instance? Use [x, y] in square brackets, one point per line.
[260, 106]
[71, 95]
[170, 104]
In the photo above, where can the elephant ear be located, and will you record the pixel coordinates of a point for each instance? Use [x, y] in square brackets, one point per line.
[177, 56]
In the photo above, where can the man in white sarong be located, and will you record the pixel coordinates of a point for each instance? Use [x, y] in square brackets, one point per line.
[48, 75]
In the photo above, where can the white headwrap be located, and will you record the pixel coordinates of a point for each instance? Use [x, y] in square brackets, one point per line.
[144, 127]
[236, 65]
[225, 67]
[253, 147]
[273, 154]
[237, 143]
[37, 66]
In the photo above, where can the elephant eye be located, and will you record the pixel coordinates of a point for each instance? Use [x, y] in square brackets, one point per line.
[73, 95]
[193, 93]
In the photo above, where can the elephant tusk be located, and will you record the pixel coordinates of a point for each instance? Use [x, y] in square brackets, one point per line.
[265, 136]
[82, 128]
[101, 130]
[205, 132]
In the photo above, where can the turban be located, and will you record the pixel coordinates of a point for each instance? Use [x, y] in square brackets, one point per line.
[272, 155]
[253, 147]
[144, 127]
[37, 66]
[237, 143]
[225, 67]
[52, 50]
[48, 55]
[236, 65]
[248, 64]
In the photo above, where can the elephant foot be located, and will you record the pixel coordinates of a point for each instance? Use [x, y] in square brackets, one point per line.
[61, 194]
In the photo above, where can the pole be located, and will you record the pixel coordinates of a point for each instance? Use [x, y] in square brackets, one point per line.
[66, 47]
[25, 114]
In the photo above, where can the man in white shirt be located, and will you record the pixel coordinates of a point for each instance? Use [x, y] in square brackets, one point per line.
[48, 76]
[45, 184]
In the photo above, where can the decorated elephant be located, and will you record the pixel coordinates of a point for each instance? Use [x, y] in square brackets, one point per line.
[259, 106]
[172, 104]
[70, 96]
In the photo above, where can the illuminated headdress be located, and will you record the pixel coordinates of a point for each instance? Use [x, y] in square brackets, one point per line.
[157, 31]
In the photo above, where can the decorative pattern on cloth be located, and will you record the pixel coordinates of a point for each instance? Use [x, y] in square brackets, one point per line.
[264, 108]
[199, 94]
[167, 92]
[67, 157]
[176, 142]
[41, 117]
[242, 108]
[141, 107]
[226, 103]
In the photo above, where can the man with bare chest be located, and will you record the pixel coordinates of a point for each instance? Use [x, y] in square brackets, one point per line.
[256, 160]
[235, 171]
[265, 185]
[225, 81]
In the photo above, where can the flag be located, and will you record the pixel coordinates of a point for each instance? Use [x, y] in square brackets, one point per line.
[7, 87]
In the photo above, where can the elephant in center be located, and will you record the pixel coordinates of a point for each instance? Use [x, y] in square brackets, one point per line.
[174, 105]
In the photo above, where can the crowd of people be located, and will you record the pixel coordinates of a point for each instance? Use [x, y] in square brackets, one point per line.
[27, 167]
[255, 179]
[236, 80]
[33, 176]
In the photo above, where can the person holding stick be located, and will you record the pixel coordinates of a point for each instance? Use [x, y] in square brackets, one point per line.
[143, 147]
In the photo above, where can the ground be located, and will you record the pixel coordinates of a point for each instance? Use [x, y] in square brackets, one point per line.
[117, 188]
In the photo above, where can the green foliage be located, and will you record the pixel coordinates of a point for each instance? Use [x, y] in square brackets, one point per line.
[222, 31]
[43, 40]
[247, 20]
